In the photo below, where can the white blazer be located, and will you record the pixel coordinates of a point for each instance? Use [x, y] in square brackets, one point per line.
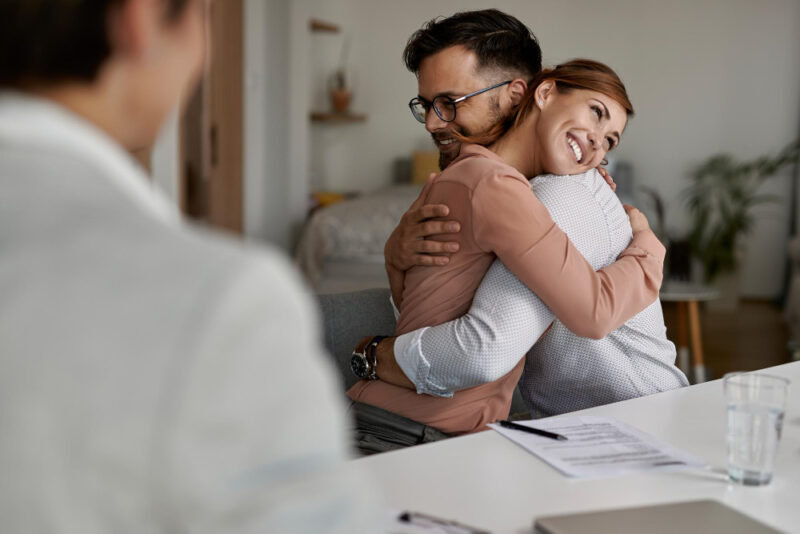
[153, 377]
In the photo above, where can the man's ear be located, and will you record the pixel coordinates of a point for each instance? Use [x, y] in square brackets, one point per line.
[132, 27]
[544, 92]
[516, 90]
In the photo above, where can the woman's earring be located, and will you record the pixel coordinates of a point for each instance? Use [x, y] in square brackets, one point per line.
[541, 103]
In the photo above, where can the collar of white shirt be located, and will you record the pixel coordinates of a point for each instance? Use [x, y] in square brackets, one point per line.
[35, 122]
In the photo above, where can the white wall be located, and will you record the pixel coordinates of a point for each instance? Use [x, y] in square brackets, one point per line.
[705, 77]
[298, 129]
[275, 151]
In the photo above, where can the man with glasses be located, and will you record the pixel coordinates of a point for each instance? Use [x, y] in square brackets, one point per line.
[472, 69]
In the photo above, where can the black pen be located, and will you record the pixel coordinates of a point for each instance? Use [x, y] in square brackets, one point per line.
[523, 428]
[439, 525]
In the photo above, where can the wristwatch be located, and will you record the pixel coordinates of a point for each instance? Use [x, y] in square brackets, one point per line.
[364, 364]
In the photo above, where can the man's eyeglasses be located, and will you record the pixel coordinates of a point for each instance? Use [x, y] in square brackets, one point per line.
[444, 106]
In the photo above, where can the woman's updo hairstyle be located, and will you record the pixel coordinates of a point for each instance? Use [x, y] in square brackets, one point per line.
[574, 74]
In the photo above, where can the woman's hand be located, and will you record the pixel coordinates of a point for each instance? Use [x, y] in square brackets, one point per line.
[607, 177]
[638, 220]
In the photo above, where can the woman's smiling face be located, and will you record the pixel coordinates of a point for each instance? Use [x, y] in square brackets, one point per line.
[576, 128]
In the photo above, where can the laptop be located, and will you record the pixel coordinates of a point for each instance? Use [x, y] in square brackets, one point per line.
[696, 517]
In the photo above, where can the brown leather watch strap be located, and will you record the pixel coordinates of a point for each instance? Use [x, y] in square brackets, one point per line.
[369, 352]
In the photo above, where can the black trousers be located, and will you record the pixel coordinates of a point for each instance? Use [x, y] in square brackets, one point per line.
[377, 430]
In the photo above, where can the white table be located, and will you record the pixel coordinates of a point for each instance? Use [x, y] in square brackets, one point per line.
[487, 481]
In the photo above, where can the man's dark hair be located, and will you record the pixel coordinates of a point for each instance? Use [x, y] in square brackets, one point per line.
[499, 40]
[52, 41]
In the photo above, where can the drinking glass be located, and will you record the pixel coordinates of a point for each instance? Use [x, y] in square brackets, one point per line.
[756, 404]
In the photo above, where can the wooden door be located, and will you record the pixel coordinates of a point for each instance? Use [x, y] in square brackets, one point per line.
[211, 130]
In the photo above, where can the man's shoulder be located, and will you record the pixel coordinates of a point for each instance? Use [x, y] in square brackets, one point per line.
[477, 168]
[168, 265]
[234, 261]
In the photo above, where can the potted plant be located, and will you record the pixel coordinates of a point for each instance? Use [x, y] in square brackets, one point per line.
[340, 91]
[721, 198]
[339, 83]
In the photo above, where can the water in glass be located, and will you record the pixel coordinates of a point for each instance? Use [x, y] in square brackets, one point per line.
[753, 435]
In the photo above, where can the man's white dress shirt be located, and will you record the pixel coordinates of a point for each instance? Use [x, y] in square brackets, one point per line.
[153, 377]
[563, 372]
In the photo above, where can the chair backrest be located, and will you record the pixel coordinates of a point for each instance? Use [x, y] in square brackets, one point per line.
[347, 317]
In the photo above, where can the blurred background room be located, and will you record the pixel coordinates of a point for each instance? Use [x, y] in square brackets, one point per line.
[300, 135]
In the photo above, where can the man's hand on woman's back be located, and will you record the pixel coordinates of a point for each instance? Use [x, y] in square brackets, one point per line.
[409, 244]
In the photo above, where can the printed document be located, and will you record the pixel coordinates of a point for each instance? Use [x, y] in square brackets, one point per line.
[598, 447]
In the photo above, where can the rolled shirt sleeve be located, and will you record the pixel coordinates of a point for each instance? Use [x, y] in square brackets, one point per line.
[504, 321]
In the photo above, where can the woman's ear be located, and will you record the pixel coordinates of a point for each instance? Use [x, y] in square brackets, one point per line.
[544, 92]
[516, 90]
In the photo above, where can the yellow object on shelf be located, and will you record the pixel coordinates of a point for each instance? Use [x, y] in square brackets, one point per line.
[423, 163]
[326, 198]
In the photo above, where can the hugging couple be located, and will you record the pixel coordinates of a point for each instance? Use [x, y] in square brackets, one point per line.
[517, 264]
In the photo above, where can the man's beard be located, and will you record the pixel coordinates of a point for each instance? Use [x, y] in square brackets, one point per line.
[446, 159]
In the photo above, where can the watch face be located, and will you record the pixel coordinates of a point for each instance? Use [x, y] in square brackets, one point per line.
[358, 364]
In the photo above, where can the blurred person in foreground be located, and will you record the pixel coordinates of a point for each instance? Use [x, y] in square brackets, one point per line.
[153, 377]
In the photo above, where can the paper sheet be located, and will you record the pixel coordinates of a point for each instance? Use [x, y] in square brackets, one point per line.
[599, 447]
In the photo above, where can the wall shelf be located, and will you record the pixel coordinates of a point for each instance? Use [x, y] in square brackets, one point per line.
[321, 26]
[337, 118]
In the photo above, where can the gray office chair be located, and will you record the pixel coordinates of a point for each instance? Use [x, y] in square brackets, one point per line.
[347, 317]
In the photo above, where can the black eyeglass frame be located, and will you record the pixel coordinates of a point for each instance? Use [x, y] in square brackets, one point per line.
[450, 102]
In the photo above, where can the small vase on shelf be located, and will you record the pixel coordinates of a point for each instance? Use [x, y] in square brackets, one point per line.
[340, 92]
